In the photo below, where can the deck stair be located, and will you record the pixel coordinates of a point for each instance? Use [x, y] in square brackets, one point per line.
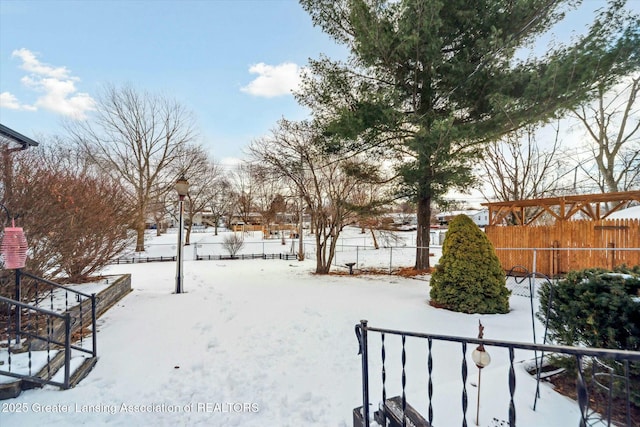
[49, 337]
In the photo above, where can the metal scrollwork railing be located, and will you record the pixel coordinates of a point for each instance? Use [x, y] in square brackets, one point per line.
[410, 417]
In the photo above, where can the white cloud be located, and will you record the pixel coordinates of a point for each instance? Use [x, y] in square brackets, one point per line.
[56, 85]
[9, 101]
[273, 80]
[60, 96]
[30, 63]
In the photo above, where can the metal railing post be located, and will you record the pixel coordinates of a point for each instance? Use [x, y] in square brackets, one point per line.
[67, 349]
[94, 327]
[18, 310]
[365, 371]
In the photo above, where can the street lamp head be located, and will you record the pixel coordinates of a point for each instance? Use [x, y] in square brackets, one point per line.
[182, 187]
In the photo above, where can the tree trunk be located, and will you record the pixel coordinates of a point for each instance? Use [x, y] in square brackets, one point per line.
[140, 238]
[323, 265]
[321, 268]
[140, 226]
[422, 240]
[187, 236]
[375, 241]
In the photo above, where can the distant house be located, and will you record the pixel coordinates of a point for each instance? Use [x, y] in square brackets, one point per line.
[252, 218]
[479, 216]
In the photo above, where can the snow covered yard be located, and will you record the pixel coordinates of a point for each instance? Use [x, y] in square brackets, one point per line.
[267, 343]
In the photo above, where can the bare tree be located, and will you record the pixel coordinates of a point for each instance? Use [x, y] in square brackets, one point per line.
[243, 182]
[233, 243]
[220, 201]
[158, 209]
[196, 165]
[135, 136]
[327, 184]
[75, 218]
[371, 202]
[269, 200]
[613, 125]
[516, 168]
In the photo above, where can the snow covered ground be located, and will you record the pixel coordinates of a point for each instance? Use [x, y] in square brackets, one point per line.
[268, 343]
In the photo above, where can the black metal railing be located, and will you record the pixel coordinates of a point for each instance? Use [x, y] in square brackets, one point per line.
[45, 317]
[197, 257]
[284, 256]
[142, 259]
[13, 342]
[363, 331]
[82, 307]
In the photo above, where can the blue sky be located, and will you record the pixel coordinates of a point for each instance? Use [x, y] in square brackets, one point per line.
[232, 62]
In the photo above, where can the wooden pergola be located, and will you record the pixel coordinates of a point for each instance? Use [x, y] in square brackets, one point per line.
[526, 212]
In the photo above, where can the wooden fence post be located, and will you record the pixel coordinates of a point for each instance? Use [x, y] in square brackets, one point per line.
[555, 258]
[612, 254]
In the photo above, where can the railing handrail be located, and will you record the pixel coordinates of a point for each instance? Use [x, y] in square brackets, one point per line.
[62, 316]
[50, 283]
[547, 348]
[361, 415]
[65, 344]
[32, 307]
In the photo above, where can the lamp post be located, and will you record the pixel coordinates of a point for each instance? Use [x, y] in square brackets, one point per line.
[301, 213]
[182, 188]
[482, 359]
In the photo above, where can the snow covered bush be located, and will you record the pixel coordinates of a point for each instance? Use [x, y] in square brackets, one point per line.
[596, 308]
[469, 277]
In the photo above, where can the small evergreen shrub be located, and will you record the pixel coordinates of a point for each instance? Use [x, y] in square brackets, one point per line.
[596, 308]
[469, 277]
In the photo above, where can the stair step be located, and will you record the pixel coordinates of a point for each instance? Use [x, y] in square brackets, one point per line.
[45, 373]
[82, 371]
[105, 299]
[10, 390]
[13, 389]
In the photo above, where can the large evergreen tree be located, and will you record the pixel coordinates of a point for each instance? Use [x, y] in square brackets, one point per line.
[433, 80]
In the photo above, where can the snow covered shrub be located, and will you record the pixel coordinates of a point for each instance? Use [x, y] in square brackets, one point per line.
[469, 277]
[596, 308]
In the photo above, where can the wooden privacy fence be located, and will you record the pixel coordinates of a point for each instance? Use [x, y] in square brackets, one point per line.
[568, 245]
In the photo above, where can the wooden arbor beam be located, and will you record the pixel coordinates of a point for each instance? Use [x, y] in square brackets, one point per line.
[561, 208]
